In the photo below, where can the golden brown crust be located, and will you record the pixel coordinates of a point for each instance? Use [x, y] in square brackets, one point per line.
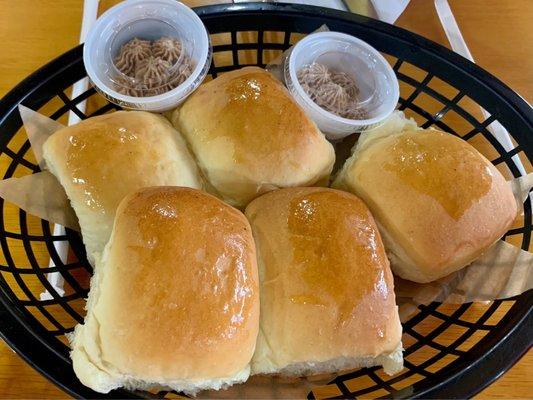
[179, 298]
[326, 287]
[438, 200]
[249, 136]
[102, 159]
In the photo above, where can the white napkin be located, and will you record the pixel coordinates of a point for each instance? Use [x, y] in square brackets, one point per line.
[389, 10]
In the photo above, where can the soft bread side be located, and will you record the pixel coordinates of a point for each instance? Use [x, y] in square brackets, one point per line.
[250, 137]
[327, 293]
[438, 202]
[102, 159]
[174, 301]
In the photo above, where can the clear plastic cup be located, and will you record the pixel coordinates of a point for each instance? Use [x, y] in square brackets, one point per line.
[375, 79]
[146, 20]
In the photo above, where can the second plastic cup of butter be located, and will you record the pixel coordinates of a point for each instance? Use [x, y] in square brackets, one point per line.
[146, 20]
[375, 79]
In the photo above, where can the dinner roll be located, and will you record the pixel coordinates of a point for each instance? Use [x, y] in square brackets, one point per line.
[249, 137]
[102, 159]
[174, 301]
[439, 203]
[327, 293]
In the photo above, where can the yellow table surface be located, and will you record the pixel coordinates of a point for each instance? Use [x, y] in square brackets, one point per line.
[498, 33]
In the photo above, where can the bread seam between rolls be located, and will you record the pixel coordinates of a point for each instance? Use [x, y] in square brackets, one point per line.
[392, 363]
[207, 186]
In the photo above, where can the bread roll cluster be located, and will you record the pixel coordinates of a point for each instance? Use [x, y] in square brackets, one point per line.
[189, 293]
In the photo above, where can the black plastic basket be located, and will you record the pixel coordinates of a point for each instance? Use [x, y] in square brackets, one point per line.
[450, 351]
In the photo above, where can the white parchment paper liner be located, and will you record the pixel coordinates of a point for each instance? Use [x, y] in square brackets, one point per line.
[503, 271]
[38, 128]
[39, 194]
[42, 195]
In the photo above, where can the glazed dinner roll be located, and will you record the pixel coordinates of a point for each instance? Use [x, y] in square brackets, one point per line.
[327, 293]
[102, 159]
[439, 203]
[174, 302]
[249, 137]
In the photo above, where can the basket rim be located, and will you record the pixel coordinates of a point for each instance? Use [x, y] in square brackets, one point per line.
[512, 344]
